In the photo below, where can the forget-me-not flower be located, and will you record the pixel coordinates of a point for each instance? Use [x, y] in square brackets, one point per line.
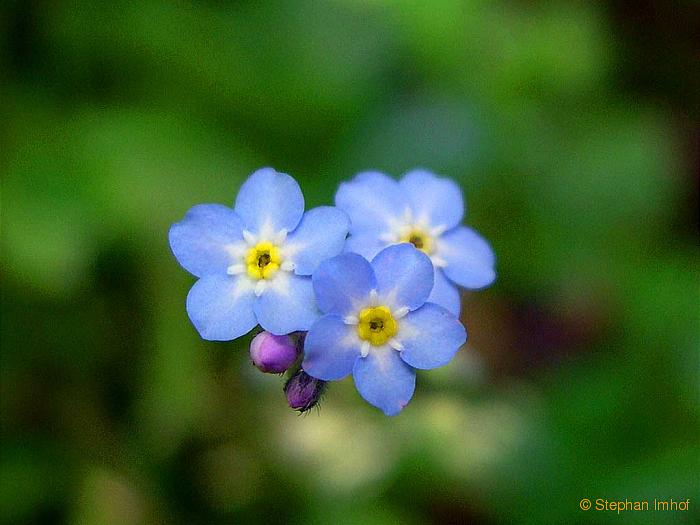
[426, 211]
[378, 325]
[254, 261]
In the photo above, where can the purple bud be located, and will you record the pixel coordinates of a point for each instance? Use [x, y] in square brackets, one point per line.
[303, 391]
[273, 354]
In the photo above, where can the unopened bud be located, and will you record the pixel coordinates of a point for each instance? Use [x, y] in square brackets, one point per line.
[303, 391]
[273, 354]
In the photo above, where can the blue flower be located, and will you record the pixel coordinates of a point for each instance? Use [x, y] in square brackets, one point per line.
[378, 325]
[426, 211]
[254, 261]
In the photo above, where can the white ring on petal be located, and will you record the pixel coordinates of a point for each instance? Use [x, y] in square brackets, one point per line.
[396, 223]
[280, 237]
[249, 237]
[438, 261]
[260, 287]
[400, 312]
[351, 319]
[364, 349]
[438, 230]
[396, 345]
[236, 269]
[237, 250]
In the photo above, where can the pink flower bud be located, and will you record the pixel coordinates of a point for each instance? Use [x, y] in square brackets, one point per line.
[303, 391]
[273, 354]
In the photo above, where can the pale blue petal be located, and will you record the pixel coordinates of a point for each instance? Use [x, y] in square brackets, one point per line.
[287, 305]
[330, 349]
[342, 284]
[384, 380]
[269, 202]
[321, 234]
[470, 259]
[404, 276]
[435, 200]
[445, 293]
[372, 200]
[200, 240]
[366, 244]
[430, 336]
[221, 307]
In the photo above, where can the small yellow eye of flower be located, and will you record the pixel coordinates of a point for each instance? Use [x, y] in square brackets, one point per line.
[263, 260]
[419, 239]
[377, 325]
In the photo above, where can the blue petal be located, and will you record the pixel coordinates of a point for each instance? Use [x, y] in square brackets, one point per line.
[372, 200]
[470, 259]
[430, 336]
[342, 284]
[435, 200]
[221, 307]
[445, 293]
[384, 380]
[404, 276]
[200, 240]
[366, 244]
[330, 349]
[320, 235]
[287, 305]
[269, 202]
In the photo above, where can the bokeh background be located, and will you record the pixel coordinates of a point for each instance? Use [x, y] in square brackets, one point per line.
[572, 128]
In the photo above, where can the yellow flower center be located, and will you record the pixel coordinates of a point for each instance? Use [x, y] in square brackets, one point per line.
[263, 260]
[377, 325]
[420, 239]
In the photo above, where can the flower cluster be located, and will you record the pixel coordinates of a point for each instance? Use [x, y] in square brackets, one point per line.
[368, 287]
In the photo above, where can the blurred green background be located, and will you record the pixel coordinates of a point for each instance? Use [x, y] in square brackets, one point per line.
[572, 128]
